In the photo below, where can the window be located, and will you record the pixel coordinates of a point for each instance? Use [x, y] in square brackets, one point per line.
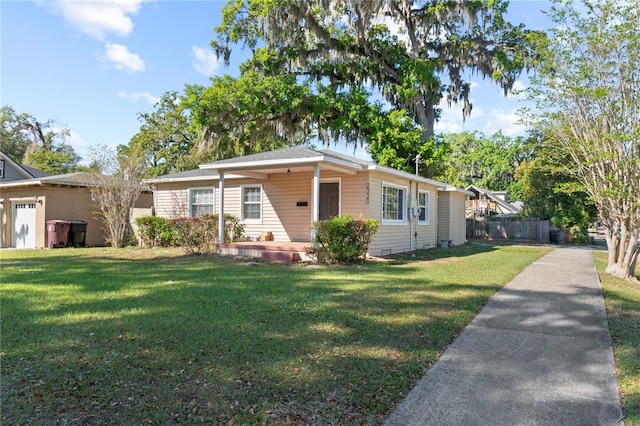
[423, 205]
[393, 204]
[200, 201]
[1, 169]
[252, 203]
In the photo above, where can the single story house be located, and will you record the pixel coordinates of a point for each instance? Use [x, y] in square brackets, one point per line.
[282, 193]
[490, 203]
[28, 201]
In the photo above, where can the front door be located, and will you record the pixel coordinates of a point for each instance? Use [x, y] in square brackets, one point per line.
[329, 200]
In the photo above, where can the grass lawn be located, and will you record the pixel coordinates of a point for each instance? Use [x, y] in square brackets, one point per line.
[622, 302]
[150, 336]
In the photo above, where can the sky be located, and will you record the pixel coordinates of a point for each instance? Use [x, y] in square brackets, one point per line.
[93, 66]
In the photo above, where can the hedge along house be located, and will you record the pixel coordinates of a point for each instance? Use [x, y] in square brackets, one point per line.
[282, 193]
[28, 202]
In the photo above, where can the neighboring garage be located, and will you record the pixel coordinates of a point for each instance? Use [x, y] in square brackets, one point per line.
[24, 225]
[26, 206]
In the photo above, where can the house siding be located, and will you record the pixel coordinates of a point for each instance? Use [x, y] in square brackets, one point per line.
[11, 173]
[281, 193]
[452, 224]
[398, 238]
[458, 225]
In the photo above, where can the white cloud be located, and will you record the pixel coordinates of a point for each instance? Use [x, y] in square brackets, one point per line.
[451, 118]
[121, 58]
[518, 90]
[506, 121]
[97, 19]
[205, 61]
[137, 96]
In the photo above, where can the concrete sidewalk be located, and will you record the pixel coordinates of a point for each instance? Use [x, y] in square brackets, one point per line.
[539, 353]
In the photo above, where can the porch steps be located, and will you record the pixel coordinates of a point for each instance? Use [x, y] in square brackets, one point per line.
[274, 251]
[280, 256]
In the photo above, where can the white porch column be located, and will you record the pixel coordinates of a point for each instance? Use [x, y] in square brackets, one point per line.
[316, 196]
[221, 209]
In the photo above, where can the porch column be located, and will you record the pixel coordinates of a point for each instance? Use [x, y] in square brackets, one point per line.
[316, 196]
[221, 209]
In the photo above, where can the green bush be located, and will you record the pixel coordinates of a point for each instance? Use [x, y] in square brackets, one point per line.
[199, 235]
[154, 231]
[344, 238]
[196, 235]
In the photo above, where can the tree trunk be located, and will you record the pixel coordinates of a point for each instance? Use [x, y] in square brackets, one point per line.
[623, 253]
[425, 116]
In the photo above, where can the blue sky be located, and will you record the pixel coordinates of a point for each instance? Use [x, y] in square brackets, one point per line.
[93, 66]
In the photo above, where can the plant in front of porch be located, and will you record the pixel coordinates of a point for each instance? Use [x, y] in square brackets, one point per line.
[344, 238]
[197, 235]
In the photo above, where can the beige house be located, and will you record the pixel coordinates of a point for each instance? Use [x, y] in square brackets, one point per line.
[27, 202]
[282, 193]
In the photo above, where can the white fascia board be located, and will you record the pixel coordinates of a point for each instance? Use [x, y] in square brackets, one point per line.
[264, 164]
[189, 179]
[18, 183]
[450, 188]
[399, 173]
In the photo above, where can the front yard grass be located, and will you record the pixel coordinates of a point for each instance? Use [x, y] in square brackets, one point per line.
[150, 336]
[622, 302]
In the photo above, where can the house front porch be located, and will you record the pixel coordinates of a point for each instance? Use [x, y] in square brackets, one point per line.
[277, 251]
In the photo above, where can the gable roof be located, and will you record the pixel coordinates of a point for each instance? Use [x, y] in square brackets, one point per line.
[26, 171]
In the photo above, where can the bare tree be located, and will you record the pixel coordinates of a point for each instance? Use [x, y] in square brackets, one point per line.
[114, 189]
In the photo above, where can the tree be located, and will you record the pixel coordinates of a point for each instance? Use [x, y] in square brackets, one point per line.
[37, 144]
[587, 91]
[166, 138]
[350, 43]
[13, 140]
[486, 161]
[256, 112]
[552, 195]
[114, 189]
[60, 159]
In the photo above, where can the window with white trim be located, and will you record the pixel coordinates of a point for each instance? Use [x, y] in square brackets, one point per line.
[393, 204]
[423, 206]
[200, 201]
[2, 169]
[252, 203]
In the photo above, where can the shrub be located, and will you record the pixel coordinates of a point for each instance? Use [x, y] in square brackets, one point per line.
[154, 231]
[196, 235]
[233, 229]
[199, 235]
[344, 238]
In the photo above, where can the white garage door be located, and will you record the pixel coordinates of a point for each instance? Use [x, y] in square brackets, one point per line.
[24, 225]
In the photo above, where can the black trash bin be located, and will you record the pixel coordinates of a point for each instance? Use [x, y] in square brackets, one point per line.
[58, 233]
[77, 233]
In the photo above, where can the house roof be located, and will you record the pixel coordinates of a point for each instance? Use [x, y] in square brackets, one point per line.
[69, 179]
[36, 173]
[77, 179]
[511, 208]
[297, 157]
